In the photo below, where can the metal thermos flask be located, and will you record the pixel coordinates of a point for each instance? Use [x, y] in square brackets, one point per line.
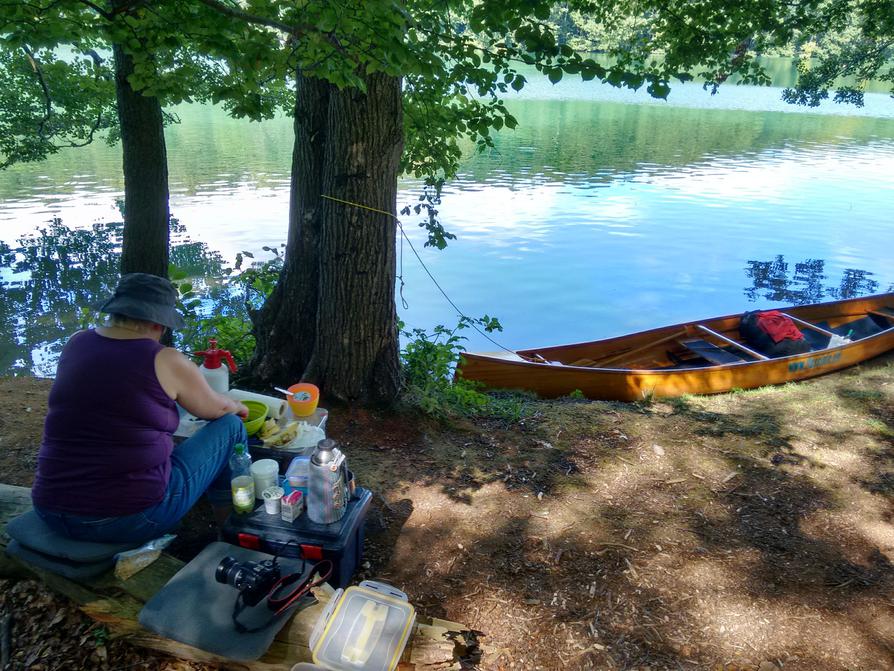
[326, 483]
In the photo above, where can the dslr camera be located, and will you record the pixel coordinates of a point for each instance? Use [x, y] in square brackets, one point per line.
[254, 580]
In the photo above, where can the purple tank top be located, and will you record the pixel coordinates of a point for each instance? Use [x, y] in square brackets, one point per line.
[107, 438]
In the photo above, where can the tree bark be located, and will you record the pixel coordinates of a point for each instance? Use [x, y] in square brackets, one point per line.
[146, 213]
[356, 353]
[285, 327]
[341, 258]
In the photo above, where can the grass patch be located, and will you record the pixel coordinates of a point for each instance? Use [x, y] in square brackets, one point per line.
[862, 394]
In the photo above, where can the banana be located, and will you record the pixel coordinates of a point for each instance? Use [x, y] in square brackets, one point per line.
[269, 429]
[282, 437]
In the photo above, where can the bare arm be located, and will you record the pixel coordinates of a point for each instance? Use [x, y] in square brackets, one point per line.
[183, 382]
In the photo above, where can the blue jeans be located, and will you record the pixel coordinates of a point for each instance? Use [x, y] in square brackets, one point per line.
[198, 465]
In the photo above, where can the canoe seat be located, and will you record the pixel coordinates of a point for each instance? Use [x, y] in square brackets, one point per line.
[855, 330]
[710, 352]
[887, 312]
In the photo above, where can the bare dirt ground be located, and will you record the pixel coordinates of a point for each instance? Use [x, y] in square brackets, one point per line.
[752, 530]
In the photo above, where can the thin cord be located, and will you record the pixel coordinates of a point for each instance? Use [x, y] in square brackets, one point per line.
[422, 263]
[400, 276]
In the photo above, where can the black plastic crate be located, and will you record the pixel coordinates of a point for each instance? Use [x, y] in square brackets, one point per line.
[340, 542]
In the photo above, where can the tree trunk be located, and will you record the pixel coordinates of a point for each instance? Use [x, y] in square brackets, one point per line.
[341, 258]
[286, 326]
[146, 214]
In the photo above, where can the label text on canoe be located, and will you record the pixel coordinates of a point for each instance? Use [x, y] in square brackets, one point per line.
[814, 362]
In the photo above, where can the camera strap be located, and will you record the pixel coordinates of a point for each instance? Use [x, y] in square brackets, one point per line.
[280, 597]
[285, 592]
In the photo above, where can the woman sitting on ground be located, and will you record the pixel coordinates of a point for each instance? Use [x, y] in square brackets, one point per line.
[108, 470]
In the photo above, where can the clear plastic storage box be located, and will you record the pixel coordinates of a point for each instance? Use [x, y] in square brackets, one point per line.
[364, 627]
[297, 474]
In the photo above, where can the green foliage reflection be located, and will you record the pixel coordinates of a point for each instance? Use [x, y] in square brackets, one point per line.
[804, 282]
[51, 281]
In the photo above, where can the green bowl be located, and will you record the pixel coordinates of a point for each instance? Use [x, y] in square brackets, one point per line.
[257, 413]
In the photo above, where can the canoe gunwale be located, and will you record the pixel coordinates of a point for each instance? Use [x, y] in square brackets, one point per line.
[795, 309]
[652, 371]
[551, 378]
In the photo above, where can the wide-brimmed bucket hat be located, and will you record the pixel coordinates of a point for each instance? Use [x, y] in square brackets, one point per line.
[146, 297]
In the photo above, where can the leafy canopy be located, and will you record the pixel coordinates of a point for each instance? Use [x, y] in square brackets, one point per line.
[457, 58]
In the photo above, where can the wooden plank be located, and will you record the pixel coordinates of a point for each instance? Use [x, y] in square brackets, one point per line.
[117, 604]
[13, 502]
[143, 585]
[747, 350]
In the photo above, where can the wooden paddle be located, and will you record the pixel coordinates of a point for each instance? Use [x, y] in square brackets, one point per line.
[637, 350]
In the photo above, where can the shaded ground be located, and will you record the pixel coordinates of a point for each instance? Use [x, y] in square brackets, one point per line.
[743, 531]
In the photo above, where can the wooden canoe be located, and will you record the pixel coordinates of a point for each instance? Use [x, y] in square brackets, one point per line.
[705, 357]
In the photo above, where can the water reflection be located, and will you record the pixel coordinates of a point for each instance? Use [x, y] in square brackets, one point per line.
[50, 280]
[592, 219]
[804, 282]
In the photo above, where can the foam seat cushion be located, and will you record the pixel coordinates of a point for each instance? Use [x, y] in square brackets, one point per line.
[195, 609]
[73, 570]
[33, 533]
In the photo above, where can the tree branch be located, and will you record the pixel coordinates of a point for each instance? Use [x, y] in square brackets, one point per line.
[234, 12]
[48, 100]
[99, 10]
[97, 59]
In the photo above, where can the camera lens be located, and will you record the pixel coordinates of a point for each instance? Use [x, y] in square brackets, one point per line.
[227, 571]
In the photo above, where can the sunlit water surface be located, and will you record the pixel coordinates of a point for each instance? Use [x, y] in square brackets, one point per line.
[604, 212]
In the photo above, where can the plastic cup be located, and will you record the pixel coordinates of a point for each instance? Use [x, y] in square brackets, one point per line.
[304, 399]
[265, 473]
[272, 499]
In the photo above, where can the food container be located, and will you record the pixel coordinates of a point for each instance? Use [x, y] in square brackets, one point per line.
[257, 413]
[318, 417]
[297, 474]
[305, 439]
[272, 499]
[304, 398]
[365, 627]
[265, 473]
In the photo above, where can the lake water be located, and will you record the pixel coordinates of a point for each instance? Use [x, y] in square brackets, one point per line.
[604, 212]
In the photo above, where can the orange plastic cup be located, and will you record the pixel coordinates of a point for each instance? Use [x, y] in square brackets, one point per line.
[304, 398]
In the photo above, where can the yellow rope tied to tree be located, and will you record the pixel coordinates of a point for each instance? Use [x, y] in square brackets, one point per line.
[421, 262]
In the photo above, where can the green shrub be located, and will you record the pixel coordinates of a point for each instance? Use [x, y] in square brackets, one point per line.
[428, 363]
[222, 308]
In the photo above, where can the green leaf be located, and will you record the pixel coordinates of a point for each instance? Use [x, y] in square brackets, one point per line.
[555, 75]
[658, 90]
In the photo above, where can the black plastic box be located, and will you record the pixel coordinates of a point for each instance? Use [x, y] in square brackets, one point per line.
[340, 542]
